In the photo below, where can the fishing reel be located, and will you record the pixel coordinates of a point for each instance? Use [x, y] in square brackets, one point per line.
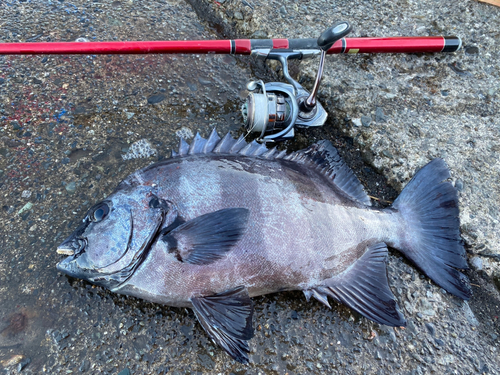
[274, 109]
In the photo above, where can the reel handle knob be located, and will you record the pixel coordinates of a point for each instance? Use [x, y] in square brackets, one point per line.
[332, 34]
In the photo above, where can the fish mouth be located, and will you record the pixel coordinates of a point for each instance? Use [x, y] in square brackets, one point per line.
[65, 251]
[72, 246]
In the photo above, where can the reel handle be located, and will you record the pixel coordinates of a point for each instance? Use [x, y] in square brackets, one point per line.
[325, 41]
[328, 38]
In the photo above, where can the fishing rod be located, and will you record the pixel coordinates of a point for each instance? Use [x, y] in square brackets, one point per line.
[407, 44]
[272, 109]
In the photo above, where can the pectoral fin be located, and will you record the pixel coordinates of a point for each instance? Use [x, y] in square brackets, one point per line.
[227, 318]
[364, 288]
[207, 238]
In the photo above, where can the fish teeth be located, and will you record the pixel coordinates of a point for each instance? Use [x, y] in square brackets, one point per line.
[65, 251]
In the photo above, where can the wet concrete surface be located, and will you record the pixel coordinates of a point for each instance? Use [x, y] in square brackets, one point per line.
[72, 127]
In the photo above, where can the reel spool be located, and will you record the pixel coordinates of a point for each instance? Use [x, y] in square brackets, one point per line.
[269, 110]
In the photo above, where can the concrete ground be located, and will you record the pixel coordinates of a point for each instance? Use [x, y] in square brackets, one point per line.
[72, 127]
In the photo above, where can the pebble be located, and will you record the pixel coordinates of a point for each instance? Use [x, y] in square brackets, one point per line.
[366, 120]
[184, 133]
[259, 34]
[140, 149]
[124, 372]
[408, 307]
[387, 154]
[439, 342]
[26, 194]
[380, 116]
[25, 208]
[71, 187]
[14, 360]
[472, 50]
[426, 307]
[155, 99]
[356, 122]
[446, 359]
[84, 366]
[477, 263]
[204, 81]
[21, 365]
[469, 314]
[430, 327]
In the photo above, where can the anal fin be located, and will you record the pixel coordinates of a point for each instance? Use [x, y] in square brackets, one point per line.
[364, 288]
[227, 318]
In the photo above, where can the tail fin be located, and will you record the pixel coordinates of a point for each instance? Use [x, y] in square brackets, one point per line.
[429, 206]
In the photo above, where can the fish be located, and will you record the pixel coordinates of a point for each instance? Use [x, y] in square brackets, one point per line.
[223, 220]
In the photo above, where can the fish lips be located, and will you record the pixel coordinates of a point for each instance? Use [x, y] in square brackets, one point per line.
[74, 247]
[70, 268]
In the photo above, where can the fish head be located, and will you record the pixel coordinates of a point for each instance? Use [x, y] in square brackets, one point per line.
[114, 236]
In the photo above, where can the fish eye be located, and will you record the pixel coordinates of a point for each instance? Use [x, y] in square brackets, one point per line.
[99, 212]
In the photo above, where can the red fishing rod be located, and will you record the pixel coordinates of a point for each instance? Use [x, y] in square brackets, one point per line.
[275, 108]
[237, 46]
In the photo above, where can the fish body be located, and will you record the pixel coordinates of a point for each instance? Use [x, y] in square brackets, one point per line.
[299, 232]
[224, 221]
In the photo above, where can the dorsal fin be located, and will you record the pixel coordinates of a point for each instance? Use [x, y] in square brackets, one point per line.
[197, 145]
[226, 145]
[212, 141]
[325, 158]
[183, 147]
[321, 156]
[238, 145]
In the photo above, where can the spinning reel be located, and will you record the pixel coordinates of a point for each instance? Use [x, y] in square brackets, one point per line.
[275, 108]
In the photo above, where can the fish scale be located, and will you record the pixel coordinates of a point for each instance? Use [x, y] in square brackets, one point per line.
[224, 220]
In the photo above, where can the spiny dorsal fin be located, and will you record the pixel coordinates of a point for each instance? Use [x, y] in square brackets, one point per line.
[321, 156]
[226, 145]
[197, 145]
[183, 147]
[212, 141]
[326, 159]
[238, 145]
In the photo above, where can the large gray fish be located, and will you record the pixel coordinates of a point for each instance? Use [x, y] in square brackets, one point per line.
[223, 221]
